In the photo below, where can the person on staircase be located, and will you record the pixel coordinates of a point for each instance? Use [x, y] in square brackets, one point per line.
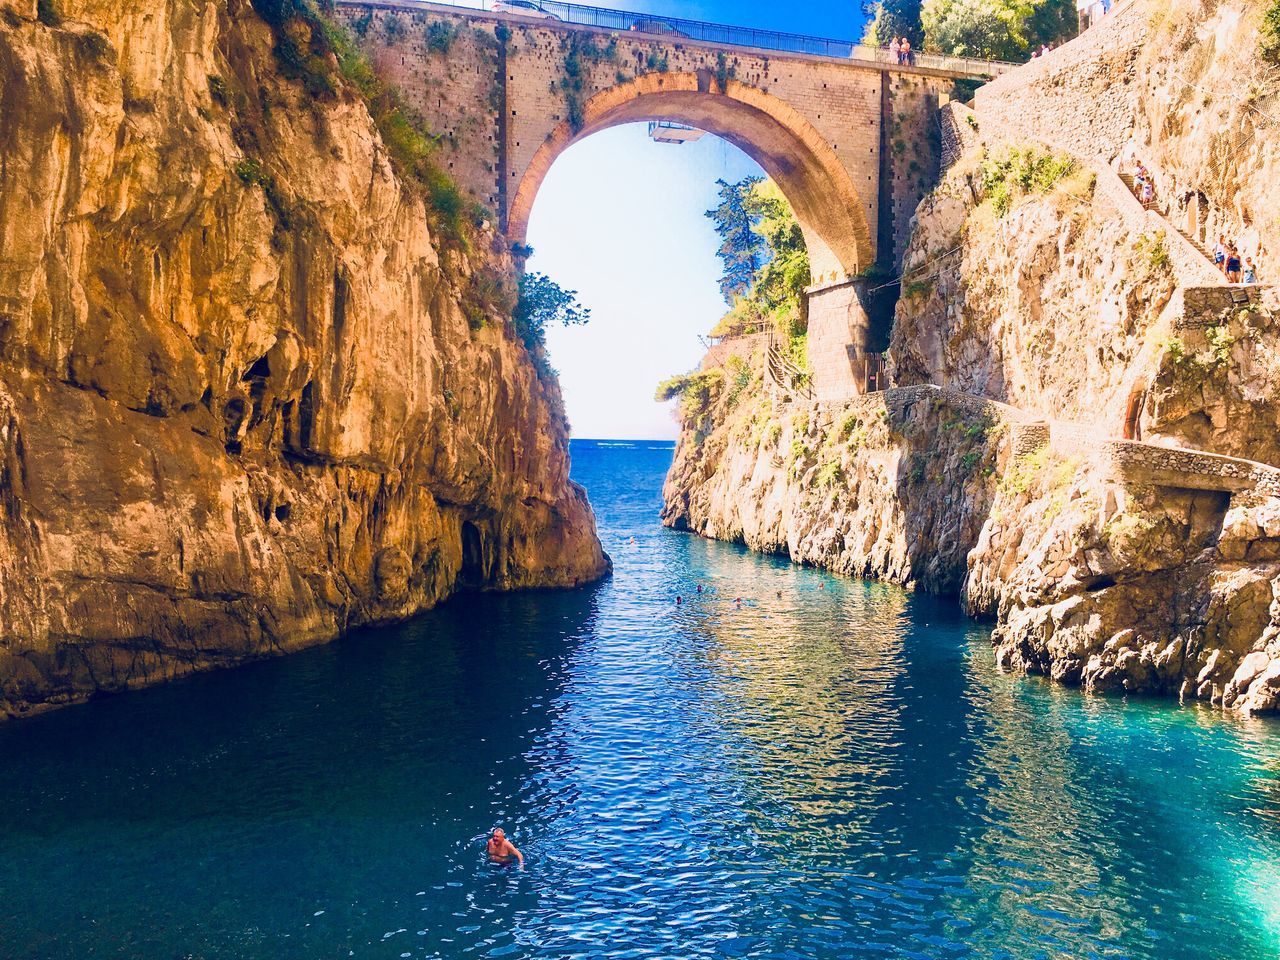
[1233, 264]
[1250, 273]
[1220, 254]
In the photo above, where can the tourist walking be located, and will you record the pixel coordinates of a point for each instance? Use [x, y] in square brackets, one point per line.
[1220, 254]
[1250, 273]
[1233, 264]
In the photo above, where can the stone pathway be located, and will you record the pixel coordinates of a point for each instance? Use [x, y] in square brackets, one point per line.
[1130, 463]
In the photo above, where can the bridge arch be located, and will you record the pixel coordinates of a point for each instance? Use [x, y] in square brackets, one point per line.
[772, 133]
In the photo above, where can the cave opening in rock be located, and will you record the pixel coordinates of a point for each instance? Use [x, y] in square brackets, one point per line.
[472, 575]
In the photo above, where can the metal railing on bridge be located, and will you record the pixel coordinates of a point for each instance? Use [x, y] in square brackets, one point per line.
[675, 29]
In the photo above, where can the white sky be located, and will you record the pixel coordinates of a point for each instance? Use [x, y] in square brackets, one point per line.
[620, 219]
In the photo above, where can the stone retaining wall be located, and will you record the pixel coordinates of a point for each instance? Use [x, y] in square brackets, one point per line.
[744, 347]
[1128, 462]
[1080, 97]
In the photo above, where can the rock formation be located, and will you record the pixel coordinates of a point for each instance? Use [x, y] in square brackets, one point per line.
[1045, 318]
[249, 398]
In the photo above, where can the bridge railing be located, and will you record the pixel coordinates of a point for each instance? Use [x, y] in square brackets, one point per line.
[676, 28]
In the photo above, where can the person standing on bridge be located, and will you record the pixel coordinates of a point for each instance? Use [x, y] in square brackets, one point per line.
[905, 55]
[895, 50]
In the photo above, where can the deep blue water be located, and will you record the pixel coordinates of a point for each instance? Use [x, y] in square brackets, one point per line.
[836, 772]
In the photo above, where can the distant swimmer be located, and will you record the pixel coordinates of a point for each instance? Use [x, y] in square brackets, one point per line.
[699, 588]
[679, 599]
[779, 593]
[501, 849]
[821, 585]
[737, 601]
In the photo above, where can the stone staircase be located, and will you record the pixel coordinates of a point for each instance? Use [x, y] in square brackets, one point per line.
[788, 381]
[1132, 185]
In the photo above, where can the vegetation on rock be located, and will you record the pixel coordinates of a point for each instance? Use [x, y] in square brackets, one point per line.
[311, 48]
[760, 232]
[1014, 172]
[986, 29]
[541, 302]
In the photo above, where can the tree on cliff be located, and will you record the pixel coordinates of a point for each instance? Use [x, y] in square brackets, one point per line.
[542, 301]
[780, 281]
[995, 29]
[742, 250]
[887, 19]
[774, 295]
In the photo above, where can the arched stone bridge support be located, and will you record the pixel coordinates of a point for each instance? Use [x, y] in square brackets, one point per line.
[771, 132]
[853, 144]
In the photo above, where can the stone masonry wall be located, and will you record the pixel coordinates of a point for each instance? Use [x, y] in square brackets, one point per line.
[495, 102]
[1081, 97]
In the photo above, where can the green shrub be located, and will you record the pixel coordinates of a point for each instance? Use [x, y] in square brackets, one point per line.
[541, 301]
[95, 46]
[1220, 342]
[251, 174]
[217, 90]
[49, 13]
[393, 27]
[1152, 248]
[695, 391]
[1017, 172]
[440, 36]
[1270, 31]
[829, 474]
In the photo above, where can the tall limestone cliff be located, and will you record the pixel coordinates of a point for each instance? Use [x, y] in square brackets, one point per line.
[249, 396]
[1048, 324]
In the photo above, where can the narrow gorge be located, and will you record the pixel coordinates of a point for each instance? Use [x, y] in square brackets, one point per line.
[1078, 438]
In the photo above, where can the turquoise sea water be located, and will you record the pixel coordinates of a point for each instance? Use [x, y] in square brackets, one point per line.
[836, 772]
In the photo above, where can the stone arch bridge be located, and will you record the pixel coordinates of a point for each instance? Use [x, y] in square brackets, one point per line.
[850, 138]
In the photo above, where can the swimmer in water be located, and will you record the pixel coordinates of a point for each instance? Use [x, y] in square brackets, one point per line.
[699, 588]
[679, 599]
[779, 594]
[737, 601]
[501, 850]
[821, 585]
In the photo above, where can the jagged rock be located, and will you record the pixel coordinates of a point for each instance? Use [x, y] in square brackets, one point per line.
[242, 408]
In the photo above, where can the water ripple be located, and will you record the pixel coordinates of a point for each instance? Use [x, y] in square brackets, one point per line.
[827, 769]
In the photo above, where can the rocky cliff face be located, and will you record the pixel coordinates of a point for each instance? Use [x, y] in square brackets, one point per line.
[1074, 309]
[890, 487]
[248, 399]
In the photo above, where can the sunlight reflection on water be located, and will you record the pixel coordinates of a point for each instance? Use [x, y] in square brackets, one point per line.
[837, 771]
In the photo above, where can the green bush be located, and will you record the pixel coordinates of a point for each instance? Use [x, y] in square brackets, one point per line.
[49, 13]
[695, 391]
[440, 36]
[217, 90]
[251, 174]
[393, 27]
[1270, 31]
[1153, 249]
[540, 302]
[96, 46]
[1016, 172]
